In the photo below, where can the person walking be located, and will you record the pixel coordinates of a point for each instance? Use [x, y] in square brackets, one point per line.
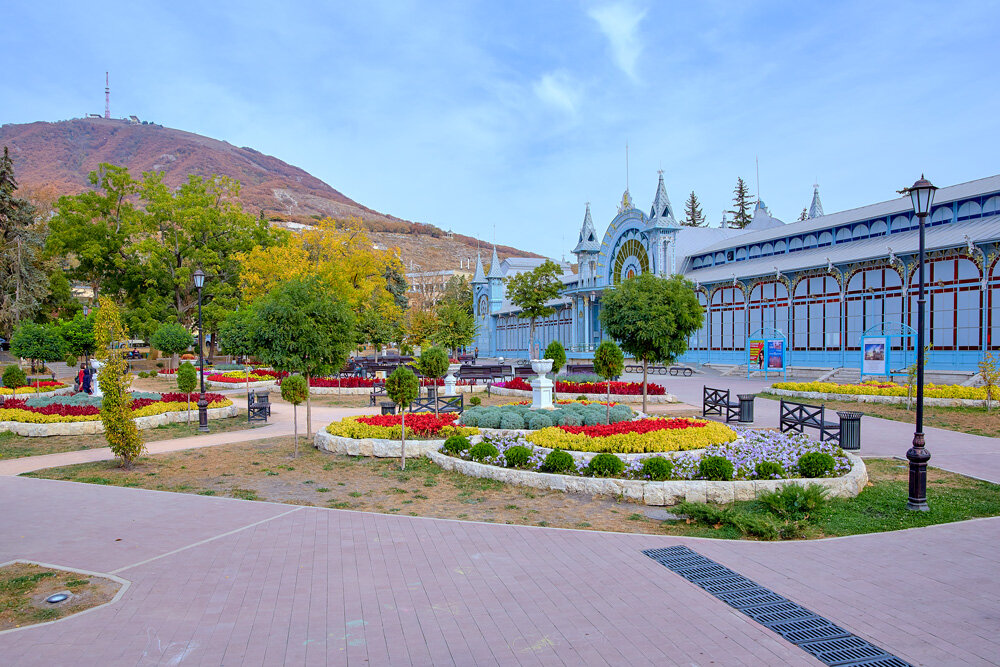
[87, 381]
[79, 377]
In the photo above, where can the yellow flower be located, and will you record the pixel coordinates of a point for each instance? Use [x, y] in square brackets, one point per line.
[667, 440]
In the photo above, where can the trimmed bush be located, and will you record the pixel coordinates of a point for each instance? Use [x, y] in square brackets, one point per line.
[517, 456]
[605, 465]
[657, 468]
[483, 450]
[594, 419]
[538, 421]
[558, 461]
[795, 501]
[475, 401]
[14, 377]
[557, 354]
[717, 468]
[769, 470]
[456, 444]
[511, 420]
[70, 360]
[816, 464]
[571, 420]
[490, 418]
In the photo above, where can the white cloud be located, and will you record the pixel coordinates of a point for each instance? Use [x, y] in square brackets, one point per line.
[558, 90]
[619, 23]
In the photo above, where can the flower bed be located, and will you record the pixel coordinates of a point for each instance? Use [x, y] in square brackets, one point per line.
[885, 392]
[87, 408]
[644, 435]
[617, 388]
[240, 377]
[37, 387]
[519, 417]
[518, 387]
[420, 425]
[356, 382]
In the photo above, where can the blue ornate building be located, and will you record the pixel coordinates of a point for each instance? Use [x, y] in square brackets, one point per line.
[821, 282]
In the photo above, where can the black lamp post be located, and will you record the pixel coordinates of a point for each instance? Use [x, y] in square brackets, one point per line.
[199, 282]
[922, 196]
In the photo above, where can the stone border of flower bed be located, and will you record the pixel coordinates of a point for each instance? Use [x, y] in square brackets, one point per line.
[239, 385]
[364, 391]
[585, 456]
[378, 447]
[615, 398]
[44, 394]
[95, 426]
[871, 398]
[656, 493]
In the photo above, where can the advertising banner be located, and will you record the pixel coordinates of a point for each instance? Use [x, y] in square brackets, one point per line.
[757, 353]
[775, 354]
[876, 357]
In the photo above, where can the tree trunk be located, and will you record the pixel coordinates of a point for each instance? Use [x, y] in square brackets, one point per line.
[295, 428]
[189, 409]
[309, 423]
[402, 440]
[645, 375]
[531, 338]
[609, 400]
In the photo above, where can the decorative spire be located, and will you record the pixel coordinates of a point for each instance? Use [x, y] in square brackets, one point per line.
[662, 212]
[626, 202]
[816, 208]
[588, 235]
[480, 275]
[494, 266]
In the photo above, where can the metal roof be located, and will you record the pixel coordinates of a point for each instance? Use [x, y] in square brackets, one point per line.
[900, 205]
[949, 235]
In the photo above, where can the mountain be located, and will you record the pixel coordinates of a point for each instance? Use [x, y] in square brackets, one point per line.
[59, 156]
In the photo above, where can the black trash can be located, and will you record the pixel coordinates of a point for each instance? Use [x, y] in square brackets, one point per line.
[850, 430]
[746, 407]
[388, 408]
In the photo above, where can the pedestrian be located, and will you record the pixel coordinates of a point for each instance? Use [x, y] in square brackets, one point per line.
[79, 377]
[87, 381]
[476, 356]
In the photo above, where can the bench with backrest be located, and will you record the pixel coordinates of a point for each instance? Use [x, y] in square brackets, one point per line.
[797, 416]
[524, 372]
[378, 389]
[473, 374]
[258, 406]
[579, 368]
[717, 402]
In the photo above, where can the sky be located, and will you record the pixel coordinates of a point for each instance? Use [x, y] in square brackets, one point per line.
[502, 119]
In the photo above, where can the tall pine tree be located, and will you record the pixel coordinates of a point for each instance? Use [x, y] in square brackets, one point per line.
[742, 205]
[693, 217]
[22, 281]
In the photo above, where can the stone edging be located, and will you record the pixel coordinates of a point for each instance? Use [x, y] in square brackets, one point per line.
[584, 456]
[239, 385]
[868, 398]
[364, 391]
[615, 398]
[43, 394]
[379, 447]
[655, 493]
[95, 426]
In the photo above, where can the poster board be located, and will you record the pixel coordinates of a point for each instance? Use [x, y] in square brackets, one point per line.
[875, 356]
[775, 355]
[757, 353]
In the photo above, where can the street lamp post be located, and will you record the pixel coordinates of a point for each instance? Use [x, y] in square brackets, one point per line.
[199, 282]
[922, 197]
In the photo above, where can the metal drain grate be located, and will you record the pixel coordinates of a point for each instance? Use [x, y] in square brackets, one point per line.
[828, 642]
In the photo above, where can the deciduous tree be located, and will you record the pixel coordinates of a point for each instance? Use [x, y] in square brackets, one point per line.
[455, 327]
[187, 381]
[172, 338]
[609, 362]
[78, 335]
[531, 291]
[434, 364]
[115, 381]
[38, 342]
[402, 387]
[557, 354]
[295, 389]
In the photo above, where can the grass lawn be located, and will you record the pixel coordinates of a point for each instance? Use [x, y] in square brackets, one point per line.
[15, 446]
[265, 470]
[24, 587]
[976, 421]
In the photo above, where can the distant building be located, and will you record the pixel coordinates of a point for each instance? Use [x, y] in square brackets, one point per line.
[428, 286]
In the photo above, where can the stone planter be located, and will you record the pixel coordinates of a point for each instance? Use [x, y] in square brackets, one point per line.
[377, 447]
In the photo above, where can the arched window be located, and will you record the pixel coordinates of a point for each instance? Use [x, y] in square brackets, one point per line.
[728, 317]
[901, 223]
[826, 238]
[941, 215]
[720, 258]
[992, 206]
[873, 296]
[816, 314]
[843, 234]
[754, 251]
[699, 339]
[768, 306]
[741, 254]
[969, 209]
[878, 228]
[696, 263]
[859, 232]
[954, 300]
[795, 244]
[766, 250]
[779, 247]
[810, 241]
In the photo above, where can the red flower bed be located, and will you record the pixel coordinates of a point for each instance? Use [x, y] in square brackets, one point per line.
[620, 388]
[356, 383]
[63, 410]
[421, 423]
[641, 426]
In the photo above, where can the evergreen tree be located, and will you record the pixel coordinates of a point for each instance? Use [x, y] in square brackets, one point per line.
[804, 215]
[742, 205]
[693, 217]
[22, 281]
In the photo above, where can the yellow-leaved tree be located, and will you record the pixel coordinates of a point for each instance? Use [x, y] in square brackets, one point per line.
[115, 383]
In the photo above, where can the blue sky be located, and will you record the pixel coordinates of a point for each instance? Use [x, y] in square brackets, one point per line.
[511, 115]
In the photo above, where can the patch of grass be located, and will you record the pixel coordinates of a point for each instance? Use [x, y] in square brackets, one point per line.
[636, 517]
[511, 507]
[396, 489]
[23, 586]
[340, 504]
[355, 494]
[206, 492]
[76, 583]
[243, 494]
[322, 489]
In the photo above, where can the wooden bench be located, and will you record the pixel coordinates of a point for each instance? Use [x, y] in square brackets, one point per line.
[579, 368]
[717, 402]
[258, 406]
[524, 372]
[797, 416]
[475, 373]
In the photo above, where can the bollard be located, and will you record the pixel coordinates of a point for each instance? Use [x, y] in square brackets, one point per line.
[746, 407]
[850, 430]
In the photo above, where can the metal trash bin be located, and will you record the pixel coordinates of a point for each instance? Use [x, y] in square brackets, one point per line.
[850, 430]
[388, 408]
[746, 407]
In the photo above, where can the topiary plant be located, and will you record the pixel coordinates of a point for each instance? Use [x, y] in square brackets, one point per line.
[816, 464]
[539, 421]
[511, 421]
[572, 420]
[657, 468]
[402, 387]
[187, 380]
[769, 470]
[717, 468]
[455, 445]
[609, 362]
[70, 360]
[559, 462]
[605, 465]
[294, 389]
[483, 450]
[14, 377]
[517, 456]
[557, 354]
[475, 401]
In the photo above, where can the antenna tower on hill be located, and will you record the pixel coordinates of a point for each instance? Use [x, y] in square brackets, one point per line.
[107, 96]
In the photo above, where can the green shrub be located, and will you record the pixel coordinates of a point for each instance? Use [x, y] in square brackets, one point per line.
[517, 456]
[769, 470]
[717, 468]
[557, 354]
[559, 462]
[538, 421]
[761, 526]
[816, 464]
[470, 417]
[483, 450]
[70, 360]
[795, 501]
[475, 400]
[489, 418]
[13, 377]
[456, 444]
[572, 420]
[605, 465]
[594, 419]
[581, 397]
[511, 420]
[657, 468]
